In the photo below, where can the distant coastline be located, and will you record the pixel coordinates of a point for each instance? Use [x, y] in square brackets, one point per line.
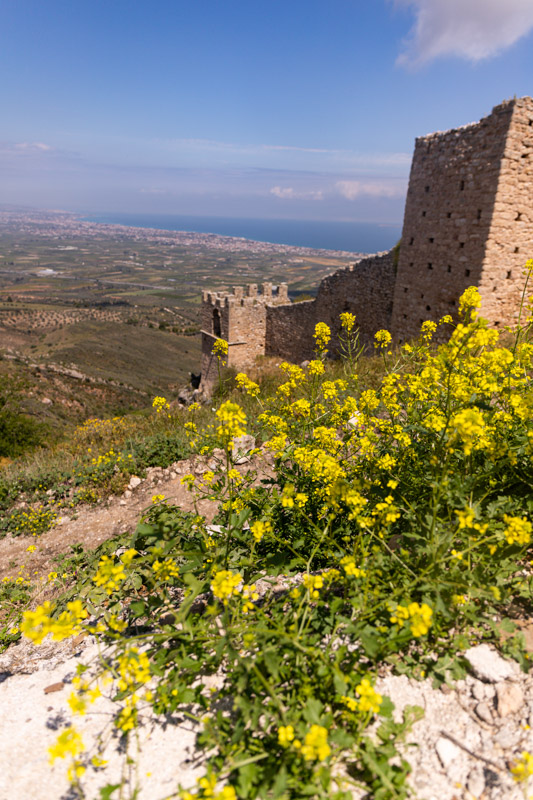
[355, 237]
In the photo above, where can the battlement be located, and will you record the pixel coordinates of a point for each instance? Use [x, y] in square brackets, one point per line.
[249, 295]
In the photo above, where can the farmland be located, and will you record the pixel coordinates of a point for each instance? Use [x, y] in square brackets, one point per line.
[99, 318]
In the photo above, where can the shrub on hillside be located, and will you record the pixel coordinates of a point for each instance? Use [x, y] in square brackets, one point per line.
[19, 433]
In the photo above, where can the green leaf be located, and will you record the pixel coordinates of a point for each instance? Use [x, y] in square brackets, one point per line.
[370, 639]
[313, 711]
[107, 790]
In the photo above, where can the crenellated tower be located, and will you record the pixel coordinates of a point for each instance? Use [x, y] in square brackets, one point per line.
[240, 318]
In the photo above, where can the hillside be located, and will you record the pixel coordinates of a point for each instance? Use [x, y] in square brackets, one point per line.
[97, 319]
[330, 564]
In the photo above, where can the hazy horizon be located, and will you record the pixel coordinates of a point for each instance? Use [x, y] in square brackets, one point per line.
[304, 111]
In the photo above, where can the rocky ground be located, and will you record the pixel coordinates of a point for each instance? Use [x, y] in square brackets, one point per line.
[461, 749]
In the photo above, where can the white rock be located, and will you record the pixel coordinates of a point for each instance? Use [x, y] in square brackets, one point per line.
[478, 690]
[508, 736]
[447, 751]
[476, 783]
[510, 698]
[242, 445]
[488, 665]
[134, 482]
[355, 420]
[127, 494]
[483, 712]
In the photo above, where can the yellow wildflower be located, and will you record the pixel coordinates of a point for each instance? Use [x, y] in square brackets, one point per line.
[225, 584]
[370, 700]
[322, 336]
[285, 735]
[517, 531]
[316, 747]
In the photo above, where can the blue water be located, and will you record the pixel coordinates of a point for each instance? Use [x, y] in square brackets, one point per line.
[355, 237]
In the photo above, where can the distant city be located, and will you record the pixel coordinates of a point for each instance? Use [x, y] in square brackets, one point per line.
[347, 237]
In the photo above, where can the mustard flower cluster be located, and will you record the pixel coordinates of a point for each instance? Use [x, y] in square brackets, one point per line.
[382, 339]
[95, 432]
[207, 789]
[368, 701]
[105, 465]
[517, 530]
[322, 336]
[33, 521]
[232, 422]
[522, 769]
[315, 746]
[36, 625]
[112, 573]
[225, 584]
[347, 321]
[419, 617]
[244, 382]
[259, 528]
[133, 669]
[313, 584]
[220, 350]
[69, 743]
[160, 404]
[165, 570]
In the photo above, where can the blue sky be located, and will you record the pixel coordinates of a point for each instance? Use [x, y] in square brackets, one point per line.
[279, 109]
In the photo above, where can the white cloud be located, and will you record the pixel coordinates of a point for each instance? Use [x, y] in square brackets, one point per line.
[32, 147]
[21, 148]
[288, 193]
[353, 189]
[471, 29]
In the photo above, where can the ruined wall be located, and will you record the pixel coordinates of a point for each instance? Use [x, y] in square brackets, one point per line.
[365, 289]
[510, 240]
[290, 331]
[448, 213]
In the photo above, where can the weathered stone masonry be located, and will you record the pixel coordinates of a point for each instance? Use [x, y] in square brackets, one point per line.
[468, 221]
[365, 289]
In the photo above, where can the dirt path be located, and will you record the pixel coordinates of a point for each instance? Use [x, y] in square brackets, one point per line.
[90, 526]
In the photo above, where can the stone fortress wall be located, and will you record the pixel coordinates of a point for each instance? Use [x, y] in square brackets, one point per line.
[365, 289]
[468, 221]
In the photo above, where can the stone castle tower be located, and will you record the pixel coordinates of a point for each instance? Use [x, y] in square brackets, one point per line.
[468, 222]
[240, 319]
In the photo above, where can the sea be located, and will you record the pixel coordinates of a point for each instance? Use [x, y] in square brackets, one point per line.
[354, 237]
